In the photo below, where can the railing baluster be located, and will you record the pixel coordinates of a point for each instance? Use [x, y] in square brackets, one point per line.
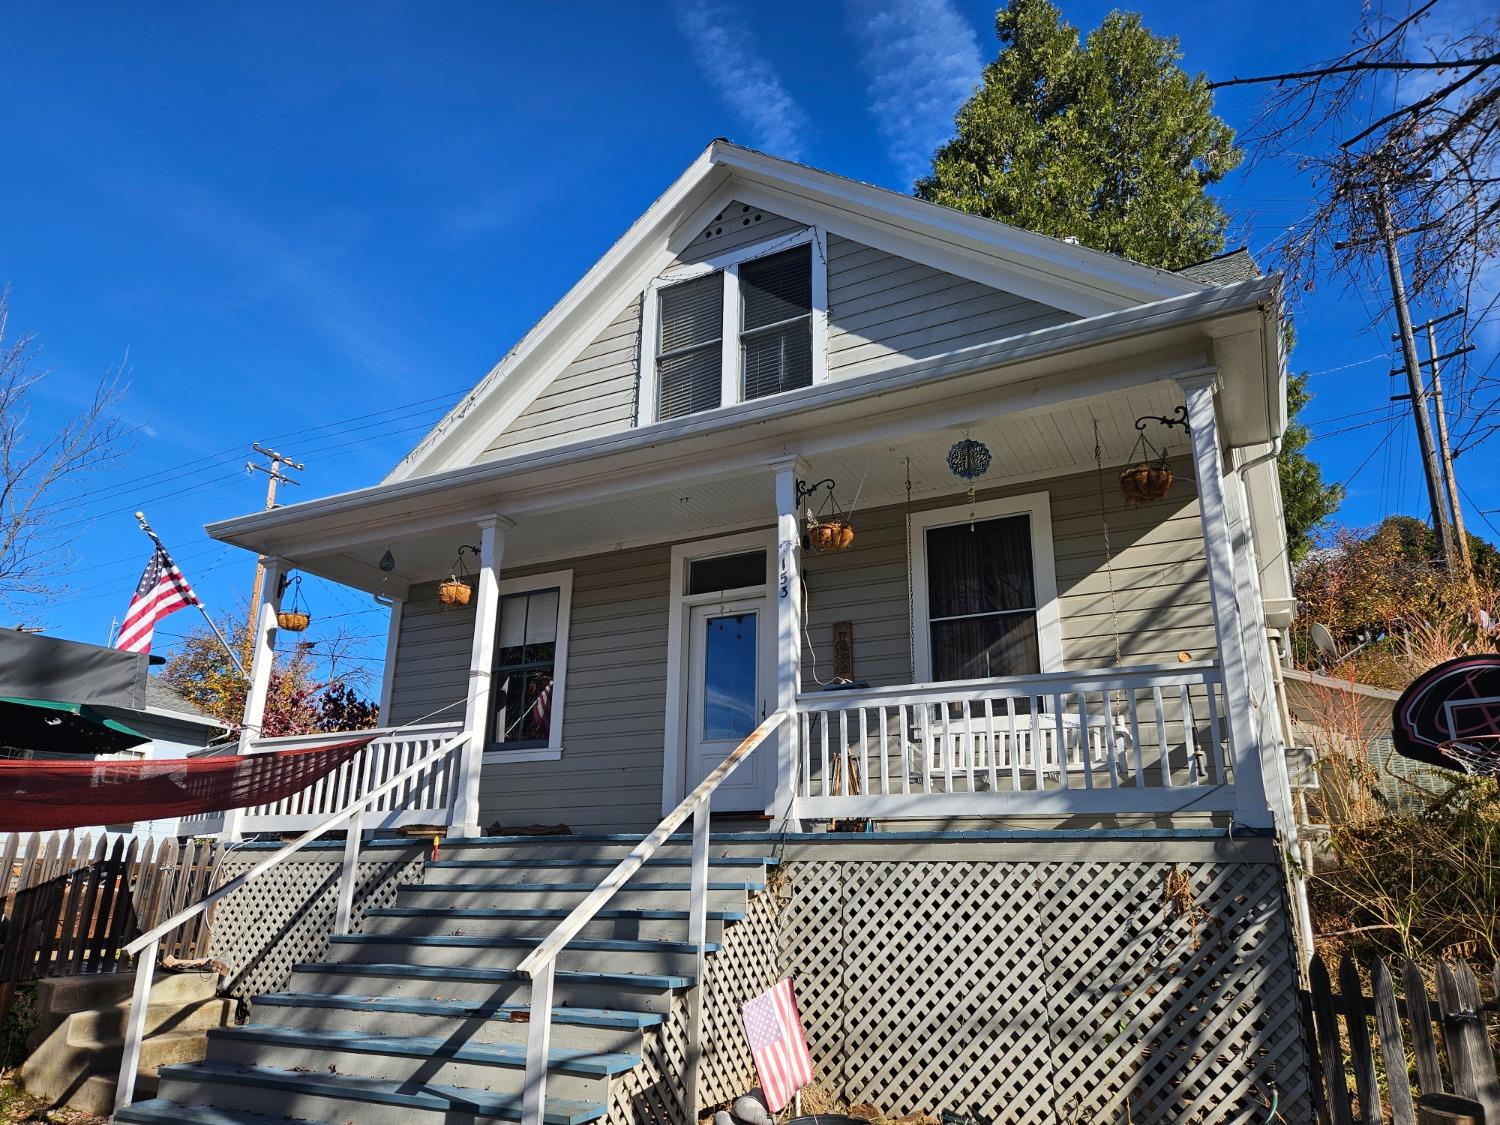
[804, 751]
[1215, 733]
[924, 726]
[1111, 733]
[1012, 747]
[843, 766]
[827, 787]
[1135, 737]
[885, 760]
[1060, 745]
[948, 748]
[1189, 735]
[903, 734]
[538, 1047]
[1163, 742]
[867, 775]
[1035, 703]
[969, 743]
[1085, 740]
[989, 727]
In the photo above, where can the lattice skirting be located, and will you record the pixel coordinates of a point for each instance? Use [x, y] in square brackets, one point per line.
[1060, 992]
[284, 918]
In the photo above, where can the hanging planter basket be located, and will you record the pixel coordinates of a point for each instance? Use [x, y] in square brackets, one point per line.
[295, 618]
[1149, 476]
[830, 529]
[458, 587]
[1145, 482]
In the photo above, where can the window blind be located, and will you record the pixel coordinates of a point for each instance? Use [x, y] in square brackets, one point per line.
[776, 322]
[688, 348]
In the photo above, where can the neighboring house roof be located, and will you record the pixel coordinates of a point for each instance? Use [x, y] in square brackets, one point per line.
[163, 699]
[1086, 283]
[1223, 269]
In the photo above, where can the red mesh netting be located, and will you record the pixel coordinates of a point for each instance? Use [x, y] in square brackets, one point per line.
[37, 796]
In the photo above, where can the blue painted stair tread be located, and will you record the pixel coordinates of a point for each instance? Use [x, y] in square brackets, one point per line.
[419, 1006]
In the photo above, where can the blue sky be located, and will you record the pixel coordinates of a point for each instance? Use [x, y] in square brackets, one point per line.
[314, 226]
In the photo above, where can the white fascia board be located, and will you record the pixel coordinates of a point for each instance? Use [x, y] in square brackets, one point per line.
[1070, 267]
[424, 497]
[579, 316]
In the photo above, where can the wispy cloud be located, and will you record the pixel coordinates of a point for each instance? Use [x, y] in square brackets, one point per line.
[728, 56]
[922, 61]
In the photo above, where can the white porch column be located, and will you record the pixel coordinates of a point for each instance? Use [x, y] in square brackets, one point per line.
[262, 660]
[788, 629]
[388, 671]
[1251, 808]
[464, 815]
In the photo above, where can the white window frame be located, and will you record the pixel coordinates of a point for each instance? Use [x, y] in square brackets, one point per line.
[562, 581]
[1037, 506]
[729, 342]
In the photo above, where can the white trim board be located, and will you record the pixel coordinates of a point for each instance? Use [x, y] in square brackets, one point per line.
[494, 755]
[1035, 505]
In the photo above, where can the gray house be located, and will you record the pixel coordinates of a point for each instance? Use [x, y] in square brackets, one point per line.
[826, 486]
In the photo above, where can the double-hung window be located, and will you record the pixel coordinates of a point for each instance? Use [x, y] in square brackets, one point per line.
[531, 654]
[742, 331]
[985, 591]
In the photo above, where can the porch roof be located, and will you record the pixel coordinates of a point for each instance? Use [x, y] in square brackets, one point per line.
[1050, 369]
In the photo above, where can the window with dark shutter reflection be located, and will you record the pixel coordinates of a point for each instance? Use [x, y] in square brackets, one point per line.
[981, 600]
[776, 323]
[689, 351]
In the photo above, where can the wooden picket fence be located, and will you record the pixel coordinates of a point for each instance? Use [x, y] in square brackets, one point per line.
[1446, 1040]
[73, 902]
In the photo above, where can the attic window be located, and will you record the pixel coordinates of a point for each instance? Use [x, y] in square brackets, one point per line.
[736, 329]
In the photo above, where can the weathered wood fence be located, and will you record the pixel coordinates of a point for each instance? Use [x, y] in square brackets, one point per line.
[1445, 1041]
[72, 902]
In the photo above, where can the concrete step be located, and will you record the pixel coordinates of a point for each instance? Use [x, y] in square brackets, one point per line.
[83, 1073]
[628, 991]
[275, 1091]
[590, 955]
[584, 869]
[572, 1074]
[722, 895]
[159, 1111]
[594, 1029]
[624, 925]
[90, 991]
[109, 1023]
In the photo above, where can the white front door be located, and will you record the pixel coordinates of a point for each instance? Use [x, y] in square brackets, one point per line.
[728, 695]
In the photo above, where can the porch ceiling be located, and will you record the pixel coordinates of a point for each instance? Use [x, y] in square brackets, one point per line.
[1025, 445]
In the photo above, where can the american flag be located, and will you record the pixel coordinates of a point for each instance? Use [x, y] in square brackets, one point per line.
[162, 590]
[778, 1045]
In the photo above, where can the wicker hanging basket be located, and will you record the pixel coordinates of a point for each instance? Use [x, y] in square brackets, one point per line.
[454, 591]
[1145, 481]
[295, 617]
[458, 587]
[831, 535]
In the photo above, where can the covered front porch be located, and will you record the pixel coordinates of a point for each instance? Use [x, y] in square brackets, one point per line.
[1038, 652]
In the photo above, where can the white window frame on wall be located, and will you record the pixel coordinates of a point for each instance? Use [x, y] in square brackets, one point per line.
[729, 364]
[562, 581]
[1037, 506]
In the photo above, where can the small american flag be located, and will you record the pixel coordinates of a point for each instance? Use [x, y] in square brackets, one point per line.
[778, 1045]
[162, 590]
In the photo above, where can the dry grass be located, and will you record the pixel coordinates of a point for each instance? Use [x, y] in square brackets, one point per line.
[17, 1107]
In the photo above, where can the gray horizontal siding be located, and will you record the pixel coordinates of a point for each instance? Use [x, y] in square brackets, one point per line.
[594, 395]
[738, 225]
[609, 778]
[1161, 602]
[883, 308]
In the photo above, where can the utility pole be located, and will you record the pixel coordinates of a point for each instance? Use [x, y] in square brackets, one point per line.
[1445, 452]
[1380, 204]
[273, 471]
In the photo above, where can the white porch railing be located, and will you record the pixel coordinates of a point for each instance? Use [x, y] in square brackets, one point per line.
[540, 964]
[350, 816]
[1125, 740]
[424, 798]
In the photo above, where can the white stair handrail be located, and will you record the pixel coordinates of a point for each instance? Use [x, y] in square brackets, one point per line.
[541, 963]
[148, 943]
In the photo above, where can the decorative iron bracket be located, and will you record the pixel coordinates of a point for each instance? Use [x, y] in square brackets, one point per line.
[804, 490]
[1179, 418]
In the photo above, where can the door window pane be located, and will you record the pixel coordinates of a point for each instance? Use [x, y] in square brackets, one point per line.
[729, 677]
[727, 572]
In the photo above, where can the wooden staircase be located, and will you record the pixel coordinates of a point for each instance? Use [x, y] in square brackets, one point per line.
[421, 1018]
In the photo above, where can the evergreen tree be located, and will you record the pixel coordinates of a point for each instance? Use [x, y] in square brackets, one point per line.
[1108, 141]
[1306, 502]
